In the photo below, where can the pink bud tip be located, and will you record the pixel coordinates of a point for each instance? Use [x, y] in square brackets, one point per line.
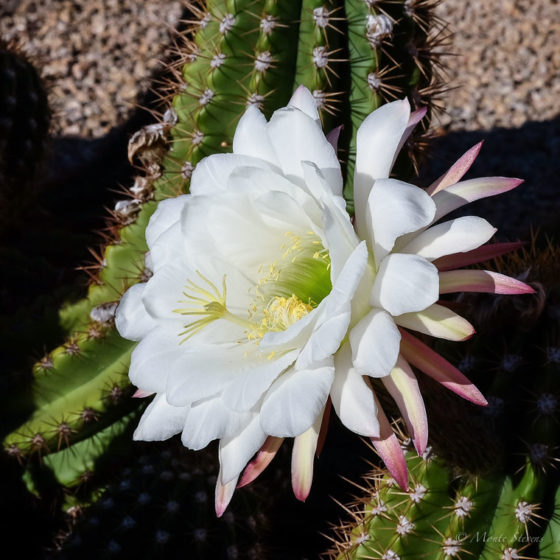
[140, 394]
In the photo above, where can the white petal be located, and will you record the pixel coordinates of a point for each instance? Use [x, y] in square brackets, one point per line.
[375, 342]
[164, 292]
[341, 238]
[131, 319]
[403, 387]
[223, 494]
[319, 188]
[168, 213]
[438, 321]
[303, 100]
[325, 339]
[339, 231]
[169, 248]
[251, 136]
[277, 200]
[347, 281]
[405, 283]
[152, 360]
[224, 228]
[352, 397]
[211, 174]
[247, 388]
[378, 140]
[296, 137]
[379, 136]
[294, 401]
[335, 312]
[160, 420]
[462, 193]
[211, 419]
[454, 236]
[395, 208]
[236, 451]
[303, 459]
[234, 369]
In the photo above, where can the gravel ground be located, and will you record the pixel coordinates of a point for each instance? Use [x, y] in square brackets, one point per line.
[96, 55]
[506, 79]
[506, 70]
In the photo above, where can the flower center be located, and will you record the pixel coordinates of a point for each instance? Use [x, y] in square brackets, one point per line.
[278, 315]
[302, 270]
[287, 290]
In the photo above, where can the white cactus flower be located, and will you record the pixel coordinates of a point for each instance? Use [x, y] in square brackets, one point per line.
[265, 300]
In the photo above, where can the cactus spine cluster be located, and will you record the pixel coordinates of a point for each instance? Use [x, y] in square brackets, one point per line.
[236, 53]
[444, 516]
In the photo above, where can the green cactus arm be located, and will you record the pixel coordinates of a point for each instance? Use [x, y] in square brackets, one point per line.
[76, 395]
[442, 516]
[71, 464]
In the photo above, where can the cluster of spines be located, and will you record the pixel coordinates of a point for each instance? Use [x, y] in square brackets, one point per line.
[162, 505]
[395, 50]
[443, 516]
[81, 392]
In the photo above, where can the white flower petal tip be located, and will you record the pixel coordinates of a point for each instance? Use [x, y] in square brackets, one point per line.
[456, 171]
[432, 364]
[481, 281]
[333, 137]
[265, 455]
[131, 318]
[389, 449]
[438, 321]
[403, 387]
[223, 495]
[459, 235]
[479, 255]
[379, 139]
[303, 100]
[395, 208]
[462, 193]
[405, 283]
[139, 394]
[303, 457]
[160, 421]
[375, 344]
[352, 397]
[413, 120]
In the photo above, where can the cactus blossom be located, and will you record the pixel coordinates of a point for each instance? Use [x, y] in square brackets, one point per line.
[266, 304]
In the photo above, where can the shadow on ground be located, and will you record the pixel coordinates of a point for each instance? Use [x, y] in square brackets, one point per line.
[531, 152]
